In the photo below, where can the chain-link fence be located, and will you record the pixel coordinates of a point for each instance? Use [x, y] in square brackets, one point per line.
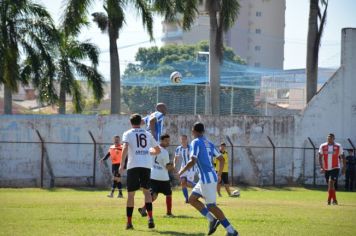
[57, 165]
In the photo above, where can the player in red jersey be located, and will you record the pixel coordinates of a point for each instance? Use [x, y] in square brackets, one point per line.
[330, 154]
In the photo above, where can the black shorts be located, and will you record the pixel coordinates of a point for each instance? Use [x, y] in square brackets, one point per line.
[333, 174]
[115, 170]
[137, 178]
[224, 178]
[158, 186]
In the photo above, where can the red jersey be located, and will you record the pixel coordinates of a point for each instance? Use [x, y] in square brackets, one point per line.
[115, 154]
[331, 154]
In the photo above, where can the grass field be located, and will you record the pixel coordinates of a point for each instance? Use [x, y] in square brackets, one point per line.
[259, 211]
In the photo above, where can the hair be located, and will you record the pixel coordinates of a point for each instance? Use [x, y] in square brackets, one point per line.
[116, 136]
[198, 127]
[184, 135]
[331, 135]
[223, 144]
[163, 136]
[135, 119]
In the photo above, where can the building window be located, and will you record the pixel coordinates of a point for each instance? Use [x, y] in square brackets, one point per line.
[257, 64]
[258, 13]
[258, 31]
[257, 48]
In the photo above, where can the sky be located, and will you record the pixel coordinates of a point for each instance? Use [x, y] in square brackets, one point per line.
[341, 14]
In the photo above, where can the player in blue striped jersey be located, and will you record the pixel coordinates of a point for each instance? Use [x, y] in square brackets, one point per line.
[156, 120]
[201, 154]
[182, 154]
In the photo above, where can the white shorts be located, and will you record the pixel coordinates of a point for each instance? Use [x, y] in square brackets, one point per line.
[207, 191]
[189, 175]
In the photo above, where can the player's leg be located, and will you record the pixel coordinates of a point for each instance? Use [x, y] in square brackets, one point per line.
[210, 199]
[225, 181]
[118, 181]
[334, 177]
[145, 185]
[352, 179]
[167, 191]
[197, 193]
[114, 171]
[327, 179]
[184, 185]
[133, 185]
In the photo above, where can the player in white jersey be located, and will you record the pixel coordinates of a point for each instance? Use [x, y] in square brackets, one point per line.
[160, 182]
[202, 153]
[156, 120]
[182, 154]
[139, 146]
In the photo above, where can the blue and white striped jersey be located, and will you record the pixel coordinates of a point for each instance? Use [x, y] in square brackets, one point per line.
[183, 154]
[158, 125]
[204, 150]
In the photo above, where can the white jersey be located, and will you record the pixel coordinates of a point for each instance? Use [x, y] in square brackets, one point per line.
[139, 143]
[159, 170]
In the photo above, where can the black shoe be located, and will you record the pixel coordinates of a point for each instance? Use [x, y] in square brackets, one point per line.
[169, 215]
[151, 224]
[142, 211]
[129, 226]
[120, 195]
[329, 203]
[235, 233]
[213, 225]
[335, 202]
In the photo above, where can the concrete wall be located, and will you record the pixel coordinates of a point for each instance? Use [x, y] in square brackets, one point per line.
[333, 109]
[72, 164]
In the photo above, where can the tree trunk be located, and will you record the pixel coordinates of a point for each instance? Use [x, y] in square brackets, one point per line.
[62, 101]
[114, 73]
[312, 51]
[214, 63]
[7, 100]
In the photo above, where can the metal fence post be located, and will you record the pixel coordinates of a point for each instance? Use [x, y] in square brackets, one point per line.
[352, 145]
[42, 157]
[94, 157]
[195, 99]
[232, 159]
[274, 160]
[314, 162]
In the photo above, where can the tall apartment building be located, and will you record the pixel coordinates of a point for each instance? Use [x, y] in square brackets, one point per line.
[257, 36]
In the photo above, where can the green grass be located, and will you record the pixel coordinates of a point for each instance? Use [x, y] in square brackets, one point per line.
[271, 211]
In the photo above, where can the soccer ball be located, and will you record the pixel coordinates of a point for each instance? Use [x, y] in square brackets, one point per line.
[235, 193]
[176, 77]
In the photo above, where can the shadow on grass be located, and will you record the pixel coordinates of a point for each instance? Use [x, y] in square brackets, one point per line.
[179, 233]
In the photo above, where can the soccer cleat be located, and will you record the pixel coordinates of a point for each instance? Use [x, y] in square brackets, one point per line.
[335, 202]
[129, 226]
[111, 195]
[169, 215]
[235, 233]
[151, 224]
[213, 225]
[329, 203]
[142, 211]
[120, 195]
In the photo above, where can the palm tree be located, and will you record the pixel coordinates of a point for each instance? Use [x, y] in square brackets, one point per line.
[70, 64]
[26, 29]
[223, 14]
[315, 32]
[111, 21]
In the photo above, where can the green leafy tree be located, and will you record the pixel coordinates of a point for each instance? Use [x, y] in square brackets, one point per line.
[110, 21]
[26, 29]
[70, 66]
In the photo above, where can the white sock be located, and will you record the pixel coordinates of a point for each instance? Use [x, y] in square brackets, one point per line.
[230, 229]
